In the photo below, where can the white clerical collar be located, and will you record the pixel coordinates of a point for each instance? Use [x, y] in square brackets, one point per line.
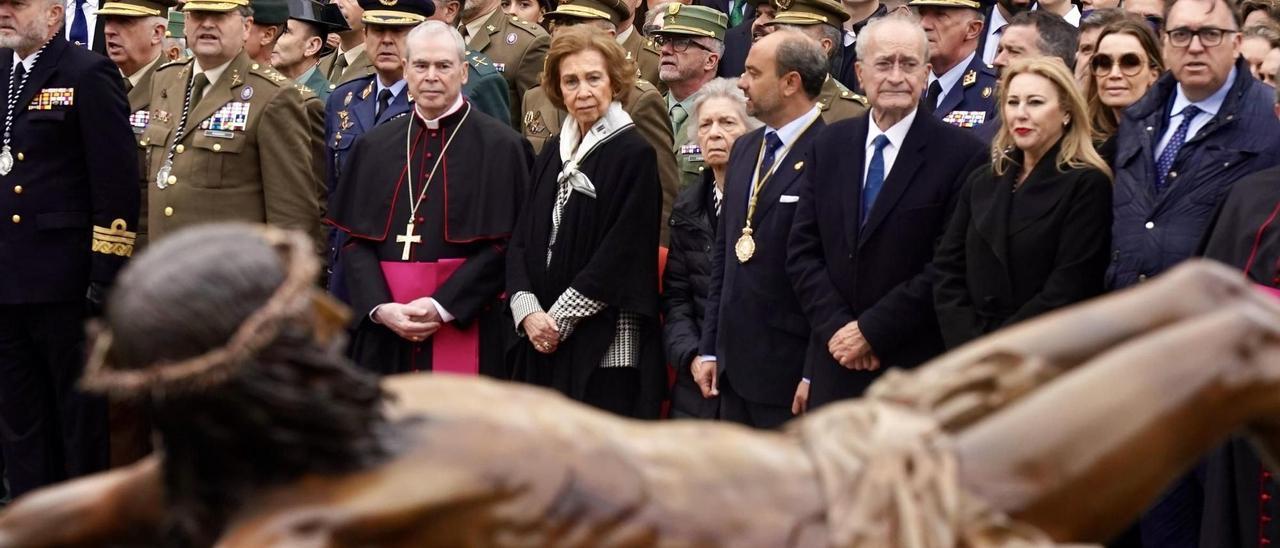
[434, 123]
[212, 74]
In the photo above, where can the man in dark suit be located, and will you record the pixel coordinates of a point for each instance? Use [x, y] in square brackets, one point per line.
[755, 333]
[875, 198]
[738, 40]
[68, 172]
[82, 26]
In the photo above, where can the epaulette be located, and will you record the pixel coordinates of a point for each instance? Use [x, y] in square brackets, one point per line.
[651, 46]
[178, 63]
[852, 96]
[531, 28]
[480, 62]
[270, 74]
[305, 92]
[645, 86]
[969, 79]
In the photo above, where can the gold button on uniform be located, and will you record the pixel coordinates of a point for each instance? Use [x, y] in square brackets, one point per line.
[217, 147]
[179, 149]
[17, 189]
[21, 157]
[168, 212]
[17, 219]
[173, 180]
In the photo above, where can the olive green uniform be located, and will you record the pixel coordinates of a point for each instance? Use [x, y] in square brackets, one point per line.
[337, 75]
[239, 158]
[838, 103]
[647, 108]
[139, 116]
[517, 49]
[646, 56]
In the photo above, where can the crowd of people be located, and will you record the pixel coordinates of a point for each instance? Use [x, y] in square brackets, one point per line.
[736, 210]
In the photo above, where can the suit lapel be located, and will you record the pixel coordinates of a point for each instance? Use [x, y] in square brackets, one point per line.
[46, 66]
[949, 101]
[990, 202]
[853, 165]
[901, 175]
[789, 168]
[399, 105]
[738, 185]
[363, 108]
[140, 95]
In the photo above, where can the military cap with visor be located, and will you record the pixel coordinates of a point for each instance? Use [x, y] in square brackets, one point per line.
[137, 8]
[396, 13]
[614, 11]
[810, 12]
[696, 21]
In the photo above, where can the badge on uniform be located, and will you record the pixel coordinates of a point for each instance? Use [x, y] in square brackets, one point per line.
[690, 148]
[347, 100]
[139, 120]
[53, 97]
[535, 125]
[232, 116]
[344, 120]
[511, 38]
[970, 78]
[966, 118]
[501, 67]
[246, 93]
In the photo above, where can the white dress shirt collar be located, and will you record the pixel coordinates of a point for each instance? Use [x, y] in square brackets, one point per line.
[897, 133]
[791, 131]
[1210, 104]
[90, 19]
[949, 78]
[26, 63]
[395, 88]
[994, 28]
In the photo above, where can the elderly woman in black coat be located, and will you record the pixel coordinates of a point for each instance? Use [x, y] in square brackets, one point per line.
[719, 113]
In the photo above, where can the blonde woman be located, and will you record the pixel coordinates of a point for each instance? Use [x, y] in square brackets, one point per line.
[1031, 231]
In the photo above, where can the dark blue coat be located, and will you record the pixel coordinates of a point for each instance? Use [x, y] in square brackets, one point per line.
[971, 103]
[1151, 232]
[349, 113]
[878, 272]
[755, 325]
[70, 205]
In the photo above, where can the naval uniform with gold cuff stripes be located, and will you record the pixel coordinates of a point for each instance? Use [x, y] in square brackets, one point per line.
[68, 206]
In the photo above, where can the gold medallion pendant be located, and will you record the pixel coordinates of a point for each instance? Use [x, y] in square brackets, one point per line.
[746, 246]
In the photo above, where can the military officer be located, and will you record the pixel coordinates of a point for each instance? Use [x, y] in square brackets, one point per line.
[516, 47]
[691, 39]
[485, 87]
[822, 20]
[69, 199]
[225, 132]
[961, 86]
[134, 31]
[268, 23]
[639, 49]
[349, 61]
[297, 52]
[542, 120]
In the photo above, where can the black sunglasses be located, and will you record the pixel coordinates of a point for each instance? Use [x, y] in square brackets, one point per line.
[1130, 64]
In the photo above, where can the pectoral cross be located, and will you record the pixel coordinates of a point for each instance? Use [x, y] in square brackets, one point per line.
[408, 239]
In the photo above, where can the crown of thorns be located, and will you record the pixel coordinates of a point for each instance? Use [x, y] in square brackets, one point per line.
[295, 302]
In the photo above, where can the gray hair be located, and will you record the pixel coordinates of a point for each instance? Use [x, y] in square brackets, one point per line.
[799, 52]
[716, 46]
[907, 19]
[835, 35]
[431, 29]
[720, 88]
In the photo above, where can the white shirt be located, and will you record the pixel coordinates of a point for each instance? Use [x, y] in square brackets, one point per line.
[26, 63]
[395, 88]
[896, 133]
[1073, 16]
[997, 21]
[212, 74]
[788, 134]
[90, 18]
[1208, 109]
[949, 78]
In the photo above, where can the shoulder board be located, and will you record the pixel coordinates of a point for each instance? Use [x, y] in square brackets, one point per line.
[269, 74]
[969, 79]
[171, 64]
[645, 86]
[531, 28]
[851, 96]
[650, 46]
[306, 92]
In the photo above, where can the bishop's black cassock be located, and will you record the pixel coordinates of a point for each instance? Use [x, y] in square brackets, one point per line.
[464, 221]
[1240, 508]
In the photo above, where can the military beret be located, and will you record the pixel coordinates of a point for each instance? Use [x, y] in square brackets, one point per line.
[137, 8]
[270, 12]
[615, 11]
[810, 12]
[682, 20]
[397, 12]
[177, 22]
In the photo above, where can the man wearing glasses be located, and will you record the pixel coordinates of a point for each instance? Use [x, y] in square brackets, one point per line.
[690, 41]
[1203, 125]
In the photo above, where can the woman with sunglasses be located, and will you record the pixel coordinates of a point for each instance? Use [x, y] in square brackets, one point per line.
[1126, 62]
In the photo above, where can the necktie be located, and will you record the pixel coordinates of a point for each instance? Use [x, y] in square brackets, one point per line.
[678, 116]
[79, 33]
[931, 97]
[128, 85]
[736, 9]
[198, 83]
[384, 100]
[1170, 153]
[771, 145]
[875, 176]
[339, 67]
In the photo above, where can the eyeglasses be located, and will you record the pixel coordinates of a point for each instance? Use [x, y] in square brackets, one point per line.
[1130, 64]
[680, 44]
[1209, 36]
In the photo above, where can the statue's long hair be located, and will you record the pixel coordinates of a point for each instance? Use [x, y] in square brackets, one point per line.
[262, 400]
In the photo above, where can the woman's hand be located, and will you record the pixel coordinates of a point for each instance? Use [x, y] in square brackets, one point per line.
[542, 332]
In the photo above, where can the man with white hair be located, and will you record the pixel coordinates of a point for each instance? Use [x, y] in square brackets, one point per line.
[427, 214]
[69, 176]
[691, 41]
[878, 193]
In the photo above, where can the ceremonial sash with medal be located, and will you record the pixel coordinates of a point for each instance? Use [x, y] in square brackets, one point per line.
[745, 248]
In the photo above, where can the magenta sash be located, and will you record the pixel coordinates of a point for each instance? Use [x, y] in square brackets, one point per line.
[453, 350]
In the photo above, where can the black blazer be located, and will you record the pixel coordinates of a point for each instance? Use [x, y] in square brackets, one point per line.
[755, 326]
[1008, 256]
[684, 292]
[877, 273]
[737, 42]
[77, 164]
